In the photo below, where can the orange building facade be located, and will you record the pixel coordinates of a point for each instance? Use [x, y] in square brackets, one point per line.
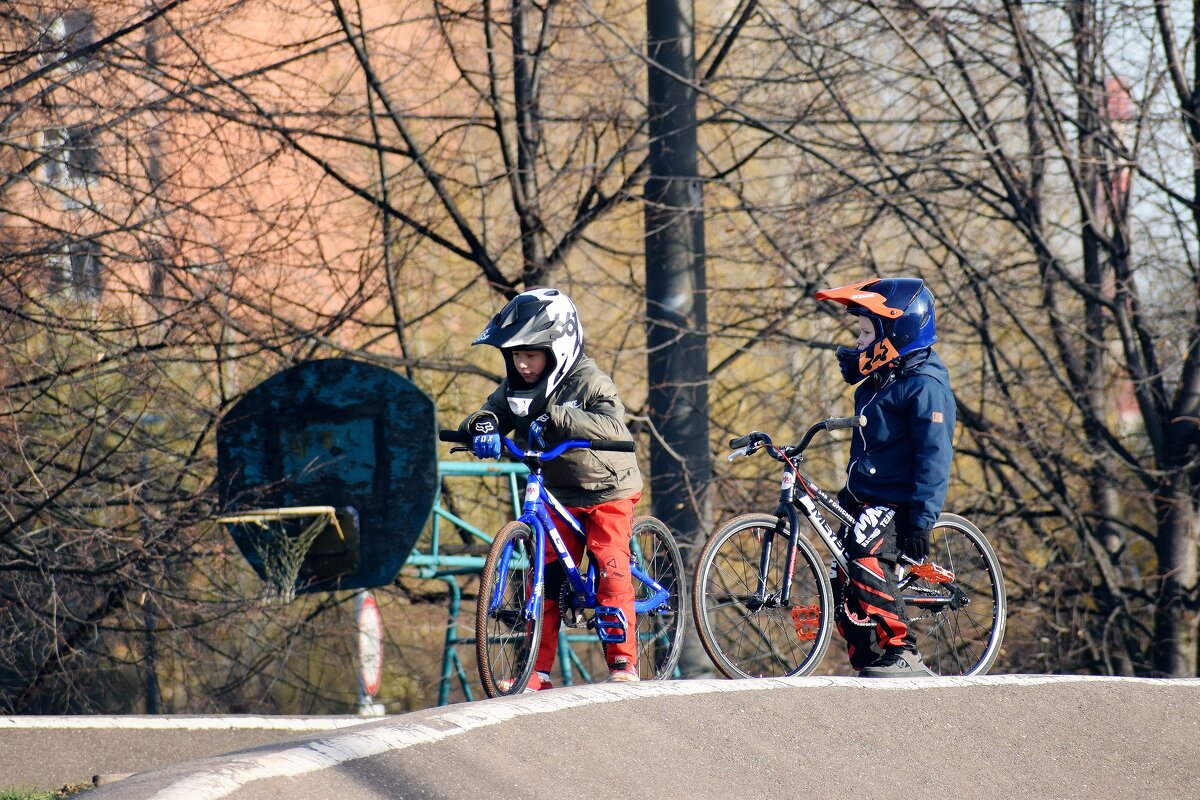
[178, 155]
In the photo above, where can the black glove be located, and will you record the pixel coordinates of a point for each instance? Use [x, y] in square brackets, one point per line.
[916, 544]
[482, 422]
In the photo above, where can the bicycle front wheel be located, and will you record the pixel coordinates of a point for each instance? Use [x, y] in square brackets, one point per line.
[959, 624]
[506, 641]
[744, 625]
[660, 624]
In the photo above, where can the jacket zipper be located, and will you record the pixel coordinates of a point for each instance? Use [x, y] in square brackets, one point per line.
[859, 432]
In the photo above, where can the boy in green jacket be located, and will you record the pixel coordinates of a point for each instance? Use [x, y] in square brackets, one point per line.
[553, 392]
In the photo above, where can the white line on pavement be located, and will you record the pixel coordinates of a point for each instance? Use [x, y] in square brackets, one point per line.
[82, 722]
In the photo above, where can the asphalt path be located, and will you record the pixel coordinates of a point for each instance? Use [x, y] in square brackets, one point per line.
[991, 737]
[47, 753]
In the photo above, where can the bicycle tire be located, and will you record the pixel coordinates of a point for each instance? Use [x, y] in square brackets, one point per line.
[659, 631]
[505, 642]
[744, 636]
[964, 640]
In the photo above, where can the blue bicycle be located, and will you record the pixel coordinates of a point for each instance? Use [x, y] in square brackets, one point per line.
[508, 617]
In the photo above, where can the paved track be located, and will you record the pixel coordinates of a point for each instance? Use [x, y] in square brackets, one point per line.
[993, 737]
[46, 753]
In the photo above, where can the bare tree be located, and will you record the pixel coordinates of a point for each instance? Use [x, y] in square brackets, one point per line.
[119, 324]
[176, 178]
[1003, 153]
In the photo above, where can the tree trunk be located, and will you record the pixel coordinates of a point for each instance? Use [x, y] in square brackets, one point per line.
[533, 251]
[680, 461]
[1175, 626]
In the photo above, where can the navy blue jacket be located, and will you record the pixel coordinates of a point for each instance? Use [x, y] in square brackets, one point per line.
[902, 457]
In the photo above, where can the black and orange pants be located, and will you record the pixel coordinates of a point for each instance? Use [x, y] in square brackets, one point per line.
[869, 610]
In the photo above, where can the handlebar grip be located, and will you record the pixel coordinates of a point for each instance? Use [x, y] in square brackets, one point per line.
[741, 441]
[462, 437]
[612, 445]
[839, 423]
[741, 452]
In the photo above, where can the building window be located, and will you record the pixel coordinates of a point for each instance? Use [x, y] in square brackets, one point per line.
[79, 269]
[72, 159]
[65, 33]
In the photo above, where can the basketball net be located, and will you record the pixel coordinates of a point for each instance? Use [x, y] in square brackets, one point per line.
[280, 553]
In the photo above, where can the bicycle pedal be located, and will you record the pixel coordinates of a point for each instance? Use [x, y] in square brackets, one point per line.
[610, 624]
[932, 573]
[807, 620]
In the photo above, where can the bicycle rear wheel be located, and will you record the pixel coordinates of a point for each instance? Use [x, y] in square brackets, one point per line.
[749, 634]
[659, 629]
[506, 641]
[959, 625]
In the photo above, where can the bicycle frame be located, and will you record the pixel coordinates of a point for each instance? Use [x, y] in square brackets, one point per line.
[792, 502]
[789, 504]
[535, 513]
[761, 612]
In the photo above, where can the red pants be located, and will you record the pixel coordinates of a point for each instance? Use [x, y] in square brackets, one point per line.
[608, 527]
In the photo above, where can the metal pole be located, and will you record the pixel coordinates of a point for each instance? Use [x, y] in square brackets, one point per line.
[680, 460]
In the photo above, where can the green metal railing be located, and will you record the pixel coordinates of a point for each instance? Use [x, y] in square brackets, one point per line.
[434, 565]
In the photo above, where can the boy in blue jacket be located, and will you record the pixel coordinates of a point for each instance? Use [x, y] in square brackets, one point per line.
[899, 465]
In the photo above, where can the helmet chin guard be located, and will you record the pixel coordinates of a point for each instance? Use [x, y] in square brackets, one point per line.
[538, 319]
[519, 405]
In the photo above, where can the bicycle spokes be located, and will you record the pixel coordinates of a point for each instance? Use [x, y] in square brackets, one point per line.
[506, 633]
[957, 611]
[657, 567]
[753, 633]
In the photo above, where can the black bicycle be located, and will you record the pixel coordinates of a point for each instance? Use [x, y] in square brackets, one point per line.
[764, 601]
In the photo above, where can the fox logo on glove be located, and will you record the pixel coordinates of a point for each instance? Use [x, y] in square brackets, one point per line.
[483, 425]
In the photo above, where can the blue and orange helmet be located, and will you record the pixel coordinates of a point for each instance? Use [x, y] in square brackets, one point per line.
[901, 310]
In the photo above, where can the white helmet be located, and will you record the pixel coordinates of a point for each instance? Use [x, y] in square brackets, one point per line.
[539, 319]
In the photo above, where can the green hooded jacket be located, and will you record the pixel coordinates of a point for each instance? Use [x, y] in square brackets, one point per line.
[585, 406]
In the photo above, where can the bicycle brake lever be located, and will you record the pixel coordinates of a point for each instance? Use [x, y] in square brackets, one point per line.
[743, 451]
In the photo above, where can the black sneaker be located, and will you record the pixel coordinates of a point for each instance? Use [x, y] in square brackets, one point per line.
[898, 663]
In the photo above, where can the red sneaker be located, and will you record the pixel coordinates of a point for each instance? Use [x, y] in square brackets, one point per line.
[538, 682]
[622, 672]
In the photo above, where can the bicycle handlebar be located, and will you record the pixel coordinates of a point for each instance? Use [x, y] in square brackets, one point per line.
[745, 445]
[607, 445]
[749, 438]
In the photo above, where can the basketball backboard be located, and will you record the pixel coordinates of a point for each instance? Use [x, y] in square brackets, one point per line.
[339, 433]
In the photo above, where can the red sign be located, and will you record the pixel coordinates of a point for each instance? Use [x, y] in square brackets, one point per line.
[370, 644]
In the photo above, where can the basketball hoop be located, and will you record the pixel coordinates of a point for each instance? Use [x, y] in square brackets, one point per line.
[329, 432]
[279, 551]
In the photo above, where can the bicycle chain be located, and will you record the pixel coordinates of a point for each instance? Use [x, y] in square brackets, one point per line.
[572, 616]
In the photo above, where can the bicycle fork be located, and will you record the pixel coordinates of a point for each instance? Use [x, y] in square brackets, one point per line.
[805, 618]
[785, 511]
